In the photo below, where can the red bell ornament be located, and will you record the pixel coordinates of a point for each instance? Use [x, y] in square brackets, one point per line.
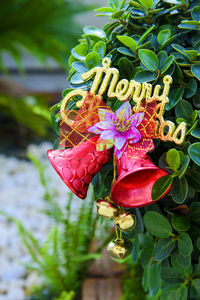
[136, 177]
[78, 165]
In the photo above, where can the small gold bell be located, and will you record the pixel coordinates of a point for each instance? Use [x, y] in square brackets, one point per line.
[125, 221]
[119, 248]
[105, 209]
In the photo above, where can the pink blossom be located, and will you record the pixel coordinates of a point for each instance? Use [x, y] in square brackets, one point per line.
[118, 129]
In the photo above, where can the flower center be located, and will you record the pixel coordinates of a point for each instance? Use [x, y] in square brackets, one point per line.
[122, 124]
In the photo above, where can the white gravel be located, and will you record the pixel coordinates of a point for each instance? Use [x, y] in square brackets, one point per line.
[21, 196]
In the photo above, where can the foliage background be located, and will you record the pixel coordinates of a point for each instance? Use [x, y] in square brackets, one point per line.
[146, 40]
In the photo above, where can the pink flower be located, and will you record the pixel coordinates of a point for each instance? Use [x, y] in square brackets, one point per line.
[117, 129]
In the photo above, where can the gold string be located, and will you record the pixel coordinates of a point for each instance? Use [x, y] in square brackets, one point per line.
[114, 169]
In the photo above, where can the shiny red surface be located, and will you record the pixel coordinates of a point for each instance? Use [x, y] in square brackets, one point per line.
[136, 179]
[77, 166]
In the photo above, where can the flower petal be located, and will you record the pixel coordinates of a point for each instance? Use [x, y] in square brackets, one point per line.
[131, 133]
[107, 134]
[104, 125]
[109, 117]
[102, 113]
[94, 129]
[119, 141]
[118, 153]
[125, 110]
[136, 136]
[136, 119]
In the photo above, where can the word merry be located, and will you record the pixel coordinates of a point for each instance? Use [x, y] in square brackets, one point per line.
[106, 81]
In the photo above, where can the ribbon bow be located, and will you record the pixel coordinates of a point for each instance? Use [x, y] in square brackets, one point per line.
[92, 131]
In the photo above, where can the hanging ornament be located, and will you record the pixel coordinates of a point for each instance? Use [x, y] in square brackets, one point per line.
[105, 209]
[125, 221]
[119, 248]
[93, 133]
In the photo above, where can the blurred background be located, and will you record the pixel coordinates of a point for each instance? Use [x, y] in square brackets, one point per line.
[36, 40]
[49, 239]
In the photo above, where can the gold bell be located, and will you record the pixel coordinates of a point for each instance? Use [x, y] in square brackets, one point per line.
[119, 248]
[105, 209]
[125, 221]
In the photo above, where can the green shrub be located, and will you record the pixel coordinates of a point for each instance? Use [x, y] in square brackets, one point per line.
[146, 40]
[63, 259]
[44, 28]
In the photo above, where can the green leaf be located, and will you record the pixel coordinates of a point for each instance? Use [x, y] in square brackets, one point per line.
[167, 64]
[161, 186]
[146, 3]
[118, 14]
[145, 76]
[181, 264]
[76, 79]
[191, 88]
[149, 59]
[184, 165]
[179, 190]
[184, 110]
[194, 153]
[196, 99]
[146, 276]
[196, 13]
[195, 285]
[136, 248]
[195, 69]
[155, 279]
[185, 245]
[147, 245]
[168, 42]
[80, 51]
[195, 212]
[80, 67]
[198, 243]
[196, 132]
[100, 48]
[173, 159]
[114, 3]
[175, 96]
[145, 34]
[92, 30]
[188, 26]
[128, 42]
[125, 67]
[181, 50]
[192, 54]
[169, 275]
[162, 57]
[105, 9]
[139, 224]
[126, 51]
[157, 225]
[193, 178]
[181, 223]
[175, 291]
[163, 249]
[163, 36]
[92, 60]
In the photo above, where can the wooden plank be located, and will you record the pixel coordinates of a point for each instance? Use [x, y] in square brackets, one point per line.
[102, 289]
[105, 267]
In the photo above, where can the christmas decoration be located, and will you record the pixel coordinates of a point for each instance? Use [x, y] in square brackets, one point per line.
[119, 248]
[94, 129]
[148, 56]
